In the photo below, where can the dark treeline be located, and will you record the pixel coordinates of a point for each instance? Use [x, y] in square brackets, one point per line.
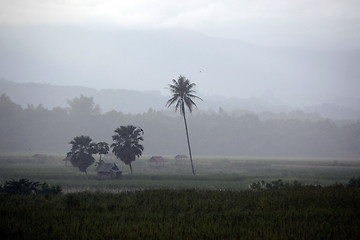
[36, 129]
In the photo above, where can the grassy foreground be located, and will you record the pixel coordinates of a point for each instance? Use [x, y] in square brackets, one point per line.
[305, 213]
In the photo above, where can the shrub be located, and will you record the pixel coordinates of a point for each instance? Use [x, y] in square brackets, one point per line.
[276, 185]
[25, 187]
[354, 183]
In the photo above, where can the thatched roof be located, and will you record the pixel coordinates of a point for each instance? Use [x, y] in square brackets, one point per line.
[156, 159]
[181, 157]
[107, 167]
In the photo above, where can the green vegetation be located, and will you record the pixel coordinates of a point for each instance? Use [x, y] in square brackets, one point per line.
[175, 205]
[280, 184]
[82, 149]
[214, 173]
[102, 148]
[25, 186]
[305, 213]
[126, 146]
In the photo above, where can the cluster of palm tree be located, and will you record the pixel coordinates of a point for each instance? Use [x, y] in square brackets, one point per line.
[126, 146]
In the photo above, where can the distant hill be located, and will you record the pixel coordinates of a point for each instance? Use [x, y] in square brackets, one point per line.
[148, 60]
[130, 101]
[126, 101]
[50, 96]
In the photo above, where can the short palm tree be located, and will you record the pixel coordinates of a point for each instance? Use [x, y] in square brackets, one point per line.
[102, 148]
[127, 145]
[81, 152]
[183, 95]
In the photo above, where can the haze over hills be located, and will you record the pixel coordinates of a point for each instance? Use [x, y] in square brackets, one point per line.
[214, 133]
[131, 101]
[147, 61]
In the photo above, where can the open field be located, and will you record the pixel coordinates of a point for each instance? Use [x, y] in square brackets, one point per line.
[212, 172]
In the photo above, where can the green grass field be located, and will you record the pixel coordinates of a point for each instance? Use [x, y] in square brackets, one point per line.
[212, 172]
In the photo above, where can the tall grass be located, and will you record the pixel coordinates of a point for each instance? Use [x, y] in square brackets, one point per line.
[306, 213]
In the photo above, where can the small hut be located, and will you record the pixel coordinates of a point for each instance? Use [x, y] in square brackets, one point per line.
[157, 161]
[180, 159]
[41, 156]
[108, 171]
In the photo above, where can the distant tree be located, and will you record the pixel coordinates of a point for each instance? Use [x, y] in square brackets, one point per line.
[127, 145]
[11, 125]
[102, 148]
[81, 152]
[7, 106]
[83, 106]
[183, 95]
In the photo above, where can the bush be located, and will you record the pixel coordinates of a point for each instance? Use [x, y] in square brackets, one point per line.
[25, 187]
[354, 183]
[276, 185]
[280, 184]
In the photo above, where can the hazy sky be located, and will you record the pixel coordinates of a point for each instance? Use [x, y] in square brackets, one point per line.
[329, 24]
[327, 27]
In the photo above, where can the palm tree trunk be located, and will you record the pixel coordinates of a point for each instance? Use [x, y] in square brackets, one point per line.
[130, 168]
[188, 141]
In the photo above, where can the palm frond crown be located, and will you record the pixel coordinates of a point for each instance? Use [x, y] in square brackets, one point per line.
[182, 94]
[126, 144]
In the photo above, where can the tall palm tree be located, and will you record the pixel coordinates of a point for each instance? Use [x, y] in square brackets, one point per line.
[183, 95]
[127, 145]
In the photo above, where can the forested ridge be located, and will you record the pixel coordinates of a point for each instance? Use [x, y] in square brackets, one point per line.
[37, 129]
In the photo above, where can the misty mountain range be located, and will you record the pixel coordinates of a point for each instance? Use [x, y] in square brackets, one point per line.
[148, 60]
[131, 101]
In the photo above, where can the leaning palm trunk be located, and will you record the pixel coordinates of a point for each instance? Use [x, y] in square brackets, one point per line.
[188, 141]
